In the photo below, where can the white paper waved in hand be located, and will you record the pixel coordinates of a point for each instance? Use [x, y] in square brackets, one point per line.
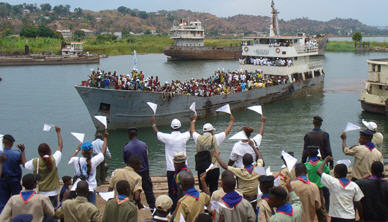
[145, 208]
[239, 136]
[1, 143]
[215, 206]
[102, 120]
[257, 109]
[260, 171]
[290, 160]
[276, 182]
[192, 108]
[153, 106]
[225, 109]
[79, 136]
[181, 218]
[268, 171]
[107, 195]
[47, 127]
[210, 167]
[346, 162]
[351, 127]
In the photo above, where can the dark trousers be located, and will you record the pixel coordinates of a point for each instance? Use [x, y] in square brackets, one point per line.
[147, 187]
[8, 187]
[326, 195]
[170, 181]
[211, 179]
[101, 172]
[335, 219]
[54, 202]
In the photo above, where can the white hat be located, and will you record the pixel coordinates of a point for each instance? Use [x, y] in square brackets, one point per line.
[208, 127]
[370, 125]
[176, 124]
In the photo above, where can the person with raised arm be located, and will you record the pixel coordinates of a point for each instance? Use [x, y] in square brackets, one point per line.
[204, 144]
[85, 166]
[343, 193]
[11, 172]
[46, 169]
[249, 145]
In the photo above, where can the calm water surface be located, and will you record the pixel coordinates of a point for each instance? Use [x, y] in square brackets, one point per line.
[33, 95]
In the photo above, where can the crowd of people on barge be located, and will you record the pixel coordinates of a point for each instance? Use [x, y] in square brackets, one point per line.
[220, 83]
[262, 61]
[314, 189]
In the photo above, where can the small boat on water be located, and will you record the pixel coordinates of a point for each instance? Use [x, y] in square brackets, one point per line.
[298, 59]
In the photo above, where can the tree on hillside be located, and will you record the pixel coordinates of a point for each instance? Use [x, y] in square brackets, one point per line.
[61, 9]
[78, 11]
[143, 14]
[45, 7]
[357, 36]
[29, 31]
[44, 31]
[78, 35]
[122, 9]
[5, 9]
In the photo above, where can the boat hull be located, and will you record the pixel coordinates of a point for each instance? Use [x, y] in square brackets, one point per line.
[125, 108]
[47, 60]
[373, 108]
[203, 53]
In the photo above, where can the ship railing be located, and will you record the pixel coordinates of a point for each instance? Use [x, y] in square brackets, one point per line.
[301, 50]
[365, 96]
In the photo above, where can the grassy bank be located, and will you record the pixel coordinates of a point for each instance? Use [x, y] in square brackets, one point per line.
[346, 46]
[15, 46]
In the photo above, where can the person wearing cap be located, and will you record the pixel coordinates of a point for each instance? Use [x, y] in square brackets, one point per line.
[174, 143]
[247, 146]
[11, 172]
[28, 202]
[129, 174]
[120, 208]
[364, 154]
[102, 168]
[46, 167]
[138, 148]
[378, 137]
[163, 206]
[312, 166]
[85, 166]
[180, 166]
[317, 137]
[264, 211]
[308, 193]
[204, 144]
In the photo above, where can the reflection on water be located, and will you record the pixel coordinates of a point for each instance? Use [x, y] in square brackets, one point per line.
[34, 95]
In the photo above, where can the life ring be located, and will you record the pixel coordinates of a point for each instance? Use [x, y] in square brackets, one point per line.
[246, 49]
[277, 50]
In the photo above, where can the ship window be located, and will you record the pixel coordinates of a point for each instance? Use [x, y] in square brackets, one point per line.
[380, 87]
[379, 68]
[104, 108]
[373, 68]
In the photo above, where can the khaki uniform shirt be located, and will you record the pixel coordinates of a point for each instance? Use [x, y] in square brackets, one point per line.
[242, 212]
[363, 159]
[190, 208]
[78, 209]
[218, 195]
[116, 210]
[129, 174]
[265, 211]
[246, 183]
[296, 206]
[285, 173]
[38, 206]
[310, 197]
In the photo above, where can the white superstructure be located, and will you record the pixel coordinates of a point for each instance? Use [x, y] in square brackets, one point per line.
[188, 34]
[294, 56]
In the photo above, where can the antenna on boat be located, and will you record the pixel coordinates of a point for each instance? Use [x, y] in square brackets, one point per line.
[274, 28]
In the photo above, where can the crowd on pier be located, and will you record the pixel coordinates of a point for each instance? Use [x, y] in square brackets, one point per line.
[313, 189]
[220, 83]
[266, 61]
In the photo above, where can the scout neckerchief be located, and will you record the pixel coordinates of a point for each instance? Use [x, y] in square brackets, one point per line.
[249, 168]
[304, 179]
[286, 209]
[369, 145]
[314, 160]
[121, 199]
[177, 179]
[192, 192]
[27, 195]
[344, 181]
[232, 199]
[265, 196]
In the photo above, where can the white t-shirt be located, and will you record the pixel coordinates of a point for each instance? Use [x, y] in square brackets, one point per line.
[29, 165]
[341, 198]
[241, 148]
[220, 137]
[95, 161]
[174, 143]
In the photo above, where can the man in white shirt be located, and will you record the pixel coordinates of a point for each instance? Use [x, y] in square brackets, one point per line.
[213, 141]
[242, 147]
[343, 193]
[102, 169]
[174, 143]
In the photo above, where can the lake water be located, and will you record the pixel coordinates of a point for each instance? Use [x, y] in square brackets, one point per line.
[33, 95]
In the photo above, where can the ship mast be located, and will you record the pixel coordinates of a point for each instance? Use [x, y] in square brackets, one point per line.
[274, 29]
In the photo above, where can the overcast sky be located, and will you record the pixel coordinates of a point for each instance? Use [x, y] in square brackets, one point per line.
[372, 12]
